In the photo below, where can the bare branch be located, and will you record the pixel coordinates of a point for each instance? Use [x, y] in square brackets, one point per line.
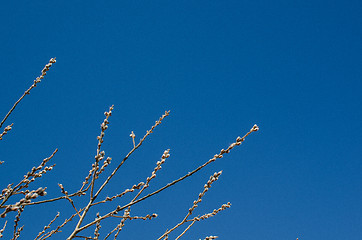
[49, 234]
[98, 227]
[36, 172]
[129, 154]
[100, 155]
[93, 198]
[138, 186]
[186, 229]
[47, 226]
[212, 237]
[212, 179]
[6, 130]
[16, 221]
[239, 140]
[68, 198]
[2, 230]
[36, 81]
[164, 156]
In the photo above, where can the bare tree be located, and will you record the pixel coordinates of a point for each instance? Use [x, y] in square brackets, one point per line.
[10, 201]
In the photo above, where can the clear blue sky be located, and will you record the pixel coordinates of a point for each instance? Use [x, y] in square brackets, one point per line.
[292, 67]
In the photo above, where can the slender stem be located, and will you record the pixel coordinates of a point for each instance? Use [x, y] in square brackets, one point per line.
[38, 79]
[55, 199]
[18, 186]
[129, 154]
[188, 227]
[222, 152]
[93, 198]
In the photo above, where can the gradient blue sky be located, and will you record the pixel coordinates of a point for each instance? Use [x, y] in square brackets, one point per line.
[292, 67]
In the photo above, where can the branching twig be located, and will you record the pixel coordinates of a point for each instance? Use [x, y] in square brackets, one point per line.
[165, 155]
[47, 226]
[17, 231]
[100, 155]
[207, 186]
[239, 140]
[129, 154]
[36, 172]
[68, 198]
[49, 234]
[6, 130]
[90, 184]
[93, 197]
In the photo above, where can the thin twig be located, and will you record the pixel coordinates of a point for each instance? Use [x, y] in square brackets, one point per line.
[49, 234]
[25, 182]
[100, 155]
[6, 130]
[165, 155]
[138, 186]
[37, 80]
[2, 230]
[239, 140]
[47, 226]
[79, 193]
[207, 186]
[17, 231]
[186, 229]
[68, 198]
[129, 154]
[93, 198]
[212, 237]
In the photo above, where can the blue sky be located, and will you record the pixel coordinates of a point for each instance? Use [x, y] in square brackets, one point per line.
[292, 67]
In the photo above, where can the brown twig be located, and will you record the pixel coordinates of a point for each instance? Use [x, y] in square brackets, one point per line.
[93, 197]
[100, 155]
[138, 186]
[98, 227]
[165, 155]
[147, 217]
[212, 237]
[68, 198]
[49, 234]
[17, 231]
[36, 81]
[239, 140]
[132, 135]
[2, 230]
[186, 229]
[6, 130]
[213, 213]
[34, 173]
[207, 186]
[119, 227]
[17, 234]
[79, 193]
[129, 154]
[47, 226]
